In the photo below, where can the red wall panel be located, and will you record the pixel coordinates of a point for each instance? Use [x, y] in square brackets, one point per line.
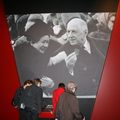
[107, 106]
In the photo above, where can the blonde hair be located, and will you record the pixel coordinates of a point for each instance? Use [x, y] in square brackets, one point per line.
[71, 85]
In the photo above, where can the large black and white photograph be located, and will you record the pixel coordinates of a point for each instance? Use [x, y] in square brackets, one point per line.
[61, 47]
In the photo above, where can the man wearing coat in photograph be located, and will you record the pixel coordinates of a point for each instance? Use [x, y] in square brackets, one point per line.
[78, 59]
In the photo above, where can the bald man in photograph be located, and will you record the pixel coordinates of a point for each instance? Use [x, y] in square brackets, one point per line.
[79, 59]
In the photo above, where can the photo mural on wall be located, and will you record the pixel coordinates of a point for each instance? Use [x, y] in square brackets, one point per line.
[61, 47]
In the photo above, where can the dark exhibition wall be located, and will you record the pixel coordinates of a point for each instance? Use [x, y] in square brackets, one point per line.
[106, 105]
[44, 6]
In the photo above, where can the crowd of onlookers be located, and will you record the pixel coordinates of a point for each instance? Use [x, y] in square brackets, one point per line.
[28, 100]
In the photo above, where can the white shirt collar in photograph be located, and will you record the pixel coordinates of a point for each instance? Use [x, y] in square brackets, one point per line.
[87, 47]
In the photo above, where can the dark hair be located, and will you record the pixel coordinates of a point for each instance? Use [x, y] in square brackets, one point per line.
[61, 85]
[36, 81]
[53, 14]
[38, 30]
[28, 82]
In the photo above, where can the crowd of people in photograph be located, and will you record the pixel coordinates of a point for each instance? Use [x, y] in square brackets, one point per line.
[58, 47]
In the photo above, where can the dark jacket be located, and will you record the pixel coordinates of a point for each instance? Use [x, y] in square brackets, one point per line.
[16, 98]
[32, 98]
[68, 107]
[87, 70]
[30, 62]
